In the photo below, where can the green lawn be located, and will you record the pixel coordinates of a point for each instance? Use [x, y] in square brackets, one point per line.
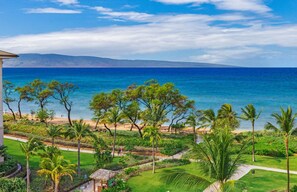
[263, 181]
[14, 150]
[267, 161]
[148, 182]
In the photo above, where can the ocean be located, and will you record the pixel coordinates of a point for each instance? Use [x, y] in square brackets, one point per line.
[267, 88]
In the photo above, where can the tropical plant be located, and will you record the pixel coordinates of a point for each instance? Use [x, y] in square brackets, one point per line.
[154, 136]
[78, 131]
[209, 118]
[55, 168]
[194, 121]
[285, 124]
[62, 93]
[54, 131]
[30, 148]
[217, 161]
[102, 155]
[113, 116]
[249, 113]
[228, 117]
[45, 115]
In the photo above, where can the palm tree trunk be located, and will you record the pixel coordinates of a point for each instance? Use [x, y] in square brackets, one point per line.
[253, 151]
[153, 153]
[56, 186]
[114, 139]
[53, 141]
[28, 175]
[288, 165]
[78, 157]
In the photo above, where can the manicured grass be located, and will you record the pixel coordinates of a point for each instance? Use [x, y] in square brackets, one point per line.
[147, 181]
[275, 162]
[14, 150]
[263, 181]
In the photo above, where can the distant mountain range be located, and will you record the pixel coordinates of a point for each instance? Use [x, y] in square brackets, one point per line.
[56, 61]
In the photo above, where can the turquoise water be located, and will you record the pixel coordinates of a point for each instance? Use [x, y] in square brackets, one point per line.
[267, 89]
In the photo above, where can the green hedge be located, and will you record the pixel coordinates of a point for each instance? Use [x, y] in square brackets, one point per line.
[12, 185]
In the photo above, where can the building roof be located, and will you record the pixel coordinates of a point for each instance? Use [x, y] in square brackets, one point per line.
[6, 55]
[103, 174]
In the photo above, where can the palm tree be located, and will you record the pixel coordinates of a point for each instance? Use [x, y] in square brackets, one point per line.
[217, 162]
[154, 136]
[114, 116]
[286, 126]
[194, 120]
[54, 131]
[55, 168]
[209, 118]
[249, 113]
[78, 131]
[30, 148]
[228, 117]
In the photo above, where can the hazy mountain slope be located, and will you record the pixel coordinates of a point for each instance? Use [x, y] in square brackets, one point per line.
[55, 60]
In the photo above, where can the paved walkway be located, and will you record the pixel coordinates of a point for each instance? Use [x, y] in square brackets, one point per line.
[242, 171]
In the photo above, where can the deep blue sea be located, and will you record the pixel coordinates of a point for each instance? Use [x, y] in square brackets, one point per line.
[268, 89]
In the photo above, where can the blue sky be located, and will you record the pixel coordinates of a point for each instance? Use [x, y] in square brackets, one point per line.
[238, 32]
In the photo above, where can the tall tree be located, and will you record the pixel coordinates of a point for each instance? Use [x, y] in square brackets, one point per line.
[154, 136]
[8, 88]
[113, 117]
[100, 104]
[157, 100]
[24, 94]
[54, 131]
[30, 148]
[285, 124]
[249, 113]
[180, 110]
[56, 167]
[62, 93]
[40, 93]
[78, 131]
[217, 161]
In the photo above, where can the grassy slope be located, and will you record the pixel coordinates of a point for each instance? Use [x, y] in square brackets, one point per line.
[263, 181]
[276, 162]
[147, 181]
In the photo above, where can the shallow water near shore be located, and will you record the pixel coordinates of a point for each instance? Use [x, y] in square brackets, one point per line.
[266, 88]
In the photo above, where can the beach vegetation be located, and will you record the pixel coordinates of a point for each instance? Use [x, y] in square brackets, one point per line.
[285, 124]
[62, 93]
[249, 113]
[78, 131]
[40, 93]
[30, 148]
[154, 136]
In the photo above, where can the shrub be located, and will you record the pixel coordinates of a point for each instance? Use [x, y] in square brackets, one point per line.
[15, 185]
[172, 147]
[294, 189]
[118, 185]
[131, 170]
[8, 166]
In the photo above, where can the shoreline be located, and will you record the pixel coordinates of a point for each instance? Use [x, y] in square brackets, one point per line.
[123, 127]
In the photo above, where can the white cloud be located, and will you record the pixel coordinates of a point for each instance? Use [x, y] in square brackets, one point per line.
[130, 15]
[164, 33]
[235, 5]
[52, 11]
[67, 2]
